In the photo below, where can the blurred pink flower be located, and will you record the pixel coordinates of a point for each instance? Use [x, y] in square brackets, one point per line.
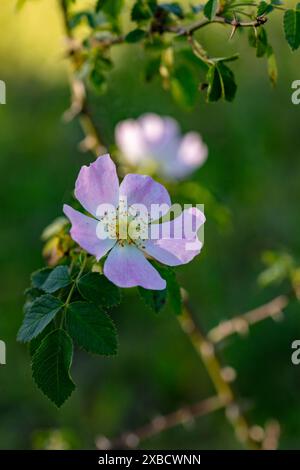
[154, 140]
[126, 265]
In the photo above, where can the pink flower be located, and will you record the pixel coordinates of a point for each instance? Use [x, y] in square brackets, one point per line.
[154, 140]
[127, 265]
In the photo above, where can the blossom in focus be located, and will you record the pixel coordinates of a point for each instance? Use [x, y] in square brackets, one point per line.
[156, 141]
[126, 265]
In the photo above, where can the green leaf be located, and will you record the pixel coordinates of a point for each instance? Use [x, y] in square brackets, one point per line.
[291, 23]
[173, 8]
[143, 10]
[77, 18]
[152, 68]
[227, 82]
[91, 328]
[36, 342]
[214, 91]
[38, 315]
[210, 9]
[98, 289]
[39, 277]
[173, 288]
[112, 8]
[155, 299]
[135, 36]
[264, 8]
[184, 86]
[57, 279]
[261, 42]
[272, 66]
[221, 83]
[98, 80]
[51, 366]
[32, 293]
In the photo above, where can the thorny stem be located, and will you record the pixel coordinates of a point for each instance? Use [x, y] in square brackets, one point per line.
[225, 398]
[206, 350]
[160, 424]
[79, 105]
[241, 323]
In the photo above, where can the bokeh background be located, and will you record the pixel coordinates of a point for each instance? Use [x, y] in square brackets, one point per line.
[253, 169]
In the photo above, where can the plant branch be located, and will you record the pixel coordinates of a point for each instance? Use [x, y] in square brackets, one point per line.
[206, 350]
[79, 104]
[178, 30]
[240, 324]
[160, 424]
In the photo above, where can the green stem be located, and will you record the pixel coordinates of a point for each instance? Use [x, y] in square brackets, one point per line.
[68, 300]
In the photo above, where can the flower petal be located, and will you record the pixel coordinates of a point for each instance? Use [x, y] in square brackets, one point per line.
[83, 232]
[97, 184]
[192, 152]
[158, 131]
[179, 242]
[142, 189]
[130, 140]
[126, 266]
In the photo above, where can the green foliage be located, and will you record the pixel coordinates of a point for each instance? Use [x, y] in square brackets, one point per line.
[51, 366]
[156, 300]
[38, 315]
[221, 83]
[78, 17]
[112, 8]
[259, 40]
[173, 8]
[184, 86]
[58, 278]
[291, 23]
[264, 8]
[210, 9]
[143, 10]
[91, 328]
[96, 288]
[135, 35]
[39, 277]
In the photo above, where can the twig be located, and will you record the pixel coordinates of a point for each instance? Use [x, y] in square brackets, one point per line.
[240, 324]
[206, 350]
[79, 106]
[160, 424]
[178, 30]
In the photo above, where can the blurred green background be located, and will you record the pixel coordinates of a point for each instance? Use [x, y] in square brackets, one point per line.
[253, 168]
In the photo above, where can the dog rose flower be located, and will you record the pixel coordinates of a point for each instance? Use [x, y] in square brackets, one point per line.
[97, 188]
[154, 141]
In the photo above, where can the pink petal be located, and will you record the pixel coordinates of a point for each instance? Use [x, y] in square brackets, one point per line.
[158, 131]
[192, 151]
[83, 232]
[126, 266]
[179, 243]
[142, 189]
[130, 140]
[97, 184]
